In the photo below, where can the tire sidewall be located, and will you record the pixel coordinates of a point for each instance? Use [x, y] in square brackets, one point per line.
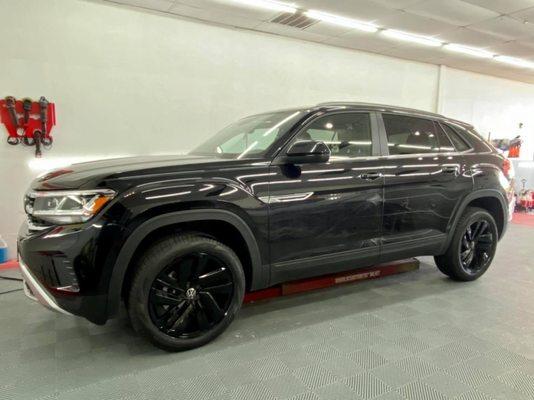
[153, 265]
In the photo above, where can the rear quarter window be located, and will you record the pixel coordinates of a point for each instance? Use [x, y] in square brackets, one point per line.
[459, 143]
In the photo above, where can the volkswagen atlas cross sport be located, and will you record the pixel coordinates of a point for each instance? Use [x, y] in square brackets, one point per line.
[271, 198]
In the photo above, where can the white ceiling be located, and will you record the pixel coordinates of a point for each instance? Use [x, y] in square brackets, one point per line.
[504, 27]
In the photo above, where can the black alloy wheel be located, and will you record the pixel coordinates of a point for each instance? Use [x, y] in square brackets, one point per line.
[472, 246]
[476, 246]
[191, 295]
[186, 290]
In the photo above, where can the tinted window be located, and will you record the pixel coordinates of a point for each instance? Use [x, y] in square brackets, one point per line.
[412, 135]
[456, 139]
[445, 144]
[347, 134]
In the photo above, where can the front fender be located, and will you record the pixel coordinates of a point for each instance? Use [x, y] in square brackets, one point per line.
[260, 273]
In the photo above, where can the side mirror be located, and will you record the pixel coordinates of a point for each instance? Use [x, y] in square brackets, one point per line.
[306, 152]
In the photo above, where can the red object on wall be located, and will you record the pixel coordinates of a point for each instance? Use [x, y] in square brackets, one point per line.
[27, 125]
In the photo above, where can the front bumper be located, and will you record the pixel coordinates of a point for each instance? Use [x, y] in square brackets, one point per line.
[35, 291]
[66, 270]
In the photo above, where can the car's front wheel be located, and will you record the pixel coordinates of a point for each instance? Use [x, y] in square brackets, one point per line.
[472, 247]
[185, 292]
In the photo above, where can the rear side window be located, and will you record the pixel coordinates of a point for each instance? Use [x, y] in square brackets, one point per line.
[412, 135]
[459, 143]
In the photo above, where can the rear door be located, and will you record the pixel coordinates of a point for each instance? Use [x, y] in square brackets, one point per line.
[423, 182]
[326, 217]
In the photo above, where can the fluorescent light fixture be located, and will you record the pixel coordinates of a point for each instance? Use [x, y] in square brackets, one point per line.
[515, 61]
[468, 50]
[410, 37]
[269, 5]
[341, 21]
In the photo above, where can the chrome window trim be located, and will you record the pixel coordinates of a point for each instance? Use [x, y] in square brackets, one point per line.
[395, 156]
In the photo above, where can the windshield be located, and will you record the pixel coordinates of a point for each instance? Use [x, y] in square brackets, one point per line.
[249, 137]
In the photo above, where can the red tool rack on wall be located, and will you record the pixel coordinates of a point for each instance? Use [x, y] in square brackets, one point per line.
[25, 120]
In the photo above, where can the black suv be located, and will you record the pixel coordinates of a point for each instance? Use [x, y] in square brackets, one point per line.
[272, 198]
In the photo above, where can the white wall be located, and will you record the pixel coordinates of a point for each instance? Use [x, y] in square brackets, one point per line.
[129, 82]
[492, 104]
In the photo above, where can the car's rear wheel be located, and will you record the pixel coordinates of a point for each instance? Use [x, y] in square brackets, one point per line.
[472, 247]
[185, 292]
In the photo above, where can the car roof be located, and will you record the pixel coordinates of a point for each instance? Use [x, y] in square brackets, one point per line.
[387, 108]
[353, 105]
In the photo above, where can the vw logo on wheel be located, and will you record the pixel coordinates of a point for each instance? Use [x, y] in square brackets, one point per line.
[190, 293]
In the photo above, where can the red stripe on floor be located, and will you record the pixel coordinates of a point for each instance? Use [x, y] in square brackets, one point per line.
[9, 265]
[523, 219]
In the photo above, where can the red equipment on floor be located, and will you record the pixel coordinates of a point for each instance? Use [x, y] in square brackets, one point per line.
[28, 122]
[525, 198]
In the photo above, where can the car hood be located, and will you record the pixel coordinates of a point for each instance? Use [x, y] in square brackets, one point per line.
[94, 174]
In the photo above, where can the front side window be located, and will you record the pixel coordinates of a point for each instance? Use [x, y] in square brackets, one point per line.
[348, 135]
[412, 135]
[249, 137]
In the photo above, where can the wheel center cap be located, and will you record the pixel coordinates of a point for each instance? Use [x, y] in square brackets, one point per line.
[190, 293]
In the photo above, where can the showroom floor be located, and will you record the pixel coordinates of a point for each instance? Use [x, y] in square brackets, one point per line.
[412, 336]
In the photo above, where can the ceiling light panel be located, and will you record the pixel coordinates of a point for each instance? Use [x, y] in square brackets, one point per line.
[469, 37]
[472, 51]
[417, 24]
[518, 62]
[341, 21]
[410, 37]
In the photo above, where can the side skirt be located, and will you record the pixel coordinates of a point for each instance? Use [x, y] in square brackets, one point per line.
[355, 259]
[324, 264]
[428, 246]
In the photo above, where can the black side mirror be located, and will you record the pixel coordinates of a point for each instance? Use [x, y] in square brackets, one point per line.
[306, 152]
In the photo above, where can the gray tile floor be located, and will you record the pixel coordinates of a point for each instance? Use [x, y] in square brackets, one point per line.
[411, 336]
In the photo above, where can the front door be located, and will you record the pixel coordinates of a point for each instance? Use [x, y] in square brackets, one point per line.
[424, 181]
[326, 217]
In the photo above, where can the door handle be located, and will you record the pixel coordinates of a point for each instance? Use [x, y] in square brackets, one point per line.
[371, 176]
[449, 169]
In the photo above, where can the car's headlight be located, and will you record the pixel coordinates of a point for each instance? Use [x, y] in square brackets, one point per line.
[67, 207]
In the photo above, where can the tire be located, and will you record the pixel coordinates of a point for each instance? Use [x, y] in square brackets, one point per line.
[185, 292]
[472, 247]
